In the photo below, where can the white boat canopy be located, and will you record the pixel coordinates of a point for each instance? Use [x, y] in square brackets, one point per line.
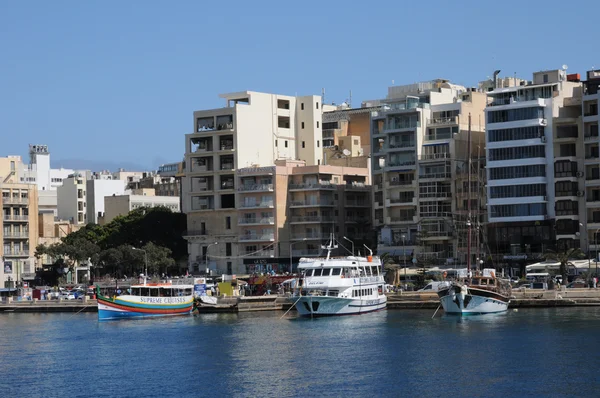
[555, 265]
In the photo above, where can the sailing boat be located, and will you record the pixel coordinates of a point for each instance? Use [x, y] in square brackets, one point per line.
[482, 293]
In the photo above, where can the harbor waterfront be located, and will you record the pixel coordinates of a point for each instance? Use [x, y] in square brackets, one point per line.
[543, 352]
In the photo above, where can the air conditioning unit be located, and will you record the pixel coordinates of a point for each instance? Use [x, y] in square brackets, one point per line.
[580, 193]
[543, 138]
[580, 174]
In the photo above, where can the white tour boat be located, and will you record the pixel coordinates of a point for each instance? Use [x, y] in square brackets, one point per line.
[339, 286]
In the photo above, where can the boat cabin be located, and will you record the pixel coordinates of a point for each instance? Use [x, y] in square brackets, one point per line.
[161, 291]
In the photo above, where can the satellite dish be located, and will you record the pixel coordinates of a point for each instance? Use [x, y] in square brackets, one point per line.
[565, 67]
[346, 152]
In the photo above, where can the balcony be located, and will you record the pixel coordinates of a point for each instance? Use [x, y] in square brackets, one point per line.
[401, 183]
[391, 126]
[306, 252]
[17, 218]
[257, 238]
[436, 235]
[310, 203]
[358, 203]
[256, 221]
[442, 121]
[434, 156]
[440, 136]
[310, 186]
[357, 186]
[405, 201]
[400, 220]
[259, 205]
[15, 201]
[309, 219]
[260, 253]
[17, 253]
[195, 232]
[16, 235]
[401, 163]
[256, 188]
[310, 236]
[226, 166]
[399, 146]
[435, 176]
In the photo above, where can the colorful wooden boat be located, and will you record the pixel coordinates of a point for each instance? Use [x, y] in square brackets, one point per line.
[147, 300]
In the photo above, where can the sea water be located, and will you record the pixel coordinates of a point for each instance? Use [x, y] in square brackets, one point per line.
[550, 352]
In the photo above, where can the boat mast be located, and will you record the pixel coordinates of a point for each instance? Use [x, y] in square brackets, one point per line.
[469, 198]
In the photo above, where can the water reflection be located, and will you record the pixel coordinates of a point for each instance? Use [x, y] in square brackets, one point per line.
[388, 353]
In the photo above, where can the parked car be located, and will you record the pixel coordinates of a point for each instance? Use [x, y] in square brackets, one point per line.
[578, 284]
[67, 296]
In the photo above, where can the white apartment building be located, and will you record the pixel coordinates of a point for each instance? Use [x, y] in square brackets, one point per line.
[420, 175]
[591, 120]
[71, 198]
[253, 130]
[535, 167]
[96, 190]
[119, 205]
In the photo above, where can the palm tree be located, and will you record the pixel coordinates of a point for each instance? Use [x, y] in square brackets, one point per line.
[390, 266]
[563, 257]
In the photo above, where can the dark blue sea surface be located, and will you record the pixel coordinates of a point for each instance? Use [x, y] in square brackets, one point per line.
[530, 353]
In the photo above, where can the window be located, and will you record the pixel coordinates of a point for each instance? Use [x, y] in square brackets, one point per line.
[302, 124]
[317, 105]
[317, 124]
[275, 143]
[336, 271]
[506, 173]
[518, 133]
[286, 143]
[317, 141]
[521, 152]
[228, 249]
[518, 191]
[355, 142]
[512, 115]
[303, 144]
[545, 77]
[228, 222]
[302, 106]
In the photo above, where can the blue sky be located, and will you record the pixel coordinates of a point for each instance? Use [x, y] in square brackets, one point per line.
[115, 82]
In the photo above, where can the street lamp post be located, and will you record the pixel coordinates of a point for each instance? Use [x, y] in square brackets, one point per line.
[291, 245]
[145, 263]
[404, 257]
[206, 254]
[352, 243]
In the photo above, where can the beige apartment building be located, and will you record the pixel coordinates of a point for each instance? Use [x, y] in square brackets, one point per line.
[253, 130]
[419, 141]
[283, 212]
[19, 233]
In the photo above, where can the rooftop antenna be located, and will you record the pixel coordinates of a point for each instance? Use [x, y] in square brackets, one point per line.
[323, 95]
[350, 100]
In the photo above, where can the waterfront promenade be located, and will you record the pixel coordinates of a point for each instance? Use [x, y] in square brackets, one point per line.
[396, 301]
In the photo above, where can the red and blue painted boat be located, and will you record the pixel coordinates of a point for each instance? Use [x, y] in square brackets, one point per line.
[147, 300]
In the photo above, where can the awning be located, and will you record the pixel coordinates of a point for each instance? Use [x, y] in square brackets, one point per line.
[7, 289]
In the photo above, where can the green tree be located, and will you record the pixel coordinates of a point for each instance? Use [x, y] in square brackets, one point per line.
[563, 258]
[159, 258]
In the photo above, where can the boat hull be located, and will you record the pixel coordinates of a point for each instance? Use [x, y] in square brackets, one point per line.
[472, 301]
[331, 306]
[120, 309]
